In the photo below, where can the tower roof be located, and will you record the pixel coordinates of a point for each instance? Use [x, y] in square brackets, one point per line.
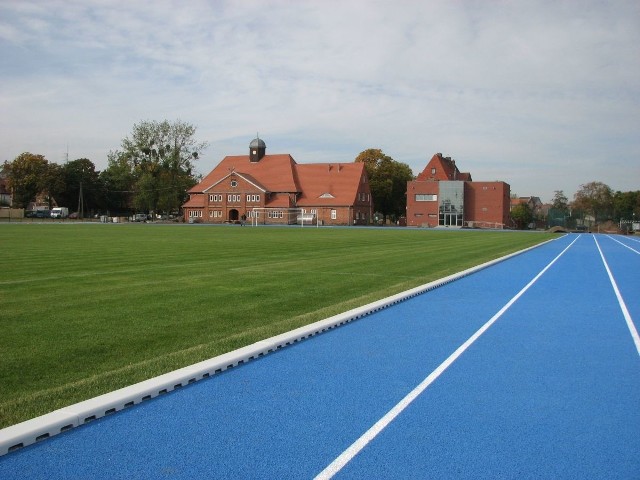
[257, 142]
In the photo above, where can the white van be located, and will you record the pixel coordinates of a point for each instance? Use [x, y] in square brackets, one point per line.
[59, 212]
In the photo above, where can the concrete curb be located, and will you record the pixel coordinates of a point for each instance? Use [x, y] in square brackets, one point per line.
[40, 428]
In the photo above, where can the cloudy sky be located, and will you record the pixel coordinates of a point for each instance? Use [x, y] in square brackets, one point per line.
[544, 95]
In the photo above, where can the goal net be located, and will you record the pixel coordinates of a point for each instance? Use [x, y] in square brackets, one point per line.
[281, 216]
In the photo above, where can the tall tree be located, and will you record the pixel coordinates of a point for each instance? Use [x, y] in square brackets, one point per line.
[387, 180]
[161, 156]
[118, 180]
[626, 205]
[83, 186]
[596, 199]
[27, 177]
[560, 201]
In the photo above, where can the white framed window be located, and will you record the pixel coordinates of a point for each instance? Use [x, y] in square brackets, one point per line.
[334, 214]
[426, 197]
[433, 171]
[234, 183]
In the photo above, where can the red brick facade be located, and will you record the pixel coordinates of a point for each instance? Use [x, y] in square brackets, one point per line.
[274, 189]
[441, 195]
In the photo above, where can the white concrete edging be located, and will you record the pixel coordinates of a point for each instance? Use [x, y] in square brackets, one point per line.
[36, 429]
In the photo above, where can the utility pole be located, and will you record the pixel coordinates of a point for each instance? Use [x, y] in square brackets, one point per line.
[80, 202]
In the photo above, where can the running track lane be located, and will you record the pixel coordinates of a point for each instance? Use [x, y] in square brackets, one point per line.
[551, 390]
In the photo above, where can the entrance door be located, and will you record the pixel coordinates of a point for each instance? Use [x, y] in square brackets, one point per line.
[234, 216]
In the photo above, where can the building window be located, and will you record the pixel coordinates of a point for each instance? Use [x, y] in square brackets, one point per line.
[433, 171]
[234, 183]
[334, 214]
[426, 197]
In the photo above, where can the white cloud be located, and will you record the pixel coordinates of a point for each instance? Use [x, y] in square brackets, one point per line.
[506, 88]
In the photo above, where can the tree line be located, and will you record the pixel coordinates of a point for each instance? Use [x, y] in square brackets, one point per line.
[151, 172]
[155, 167]
[595, 203]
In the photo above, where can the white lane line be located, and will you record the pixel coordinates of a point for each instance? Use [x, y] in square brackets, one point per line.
[357, 446]
[623, 244]
[625, 312]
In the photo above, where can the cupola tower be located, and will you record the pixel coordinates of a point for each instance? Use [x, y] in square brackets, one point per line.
[257, 149]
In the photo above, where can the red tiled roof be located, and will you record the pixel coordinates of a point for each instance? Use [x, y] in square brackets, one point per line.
[445, 169]
[330, 184]
[276, 173]
[195, 200]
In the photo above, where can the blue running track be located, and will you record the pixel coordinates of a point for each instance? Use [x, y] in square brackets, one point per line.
[548, 387]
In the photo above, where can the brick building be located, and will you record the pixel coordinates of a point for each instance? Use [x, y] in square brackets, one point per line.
[275, 189]
[442, 195]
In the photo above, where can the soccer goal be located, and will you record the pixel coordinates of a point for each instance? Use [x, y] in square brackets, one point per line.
[282, 216]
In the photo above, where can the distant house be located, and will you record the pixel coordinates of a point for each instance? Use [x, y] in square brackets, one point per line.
[442, 195]
[276, 189]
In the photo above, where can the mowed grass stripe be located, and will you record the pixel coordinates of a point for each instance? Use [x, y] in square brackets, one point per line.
[87, 309]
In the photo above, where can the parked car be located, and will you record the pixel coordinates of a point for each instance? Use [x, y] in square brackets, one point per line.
[139, 217]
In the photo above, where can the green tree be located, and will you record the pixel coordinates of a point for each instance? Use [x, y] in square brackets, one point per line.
[53, 184]
[522, 215]
[626, 205]
[560, 201]
[387, 181]
[161, 158]
[595, 199]
[118, 181]
[80, 175]
[26, 175]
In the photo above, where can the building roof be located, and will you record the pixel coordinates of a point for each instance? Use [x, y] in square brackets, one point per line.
[317, 184]
[257, 142]
[443, 168]
[275, 173]
[330, 184]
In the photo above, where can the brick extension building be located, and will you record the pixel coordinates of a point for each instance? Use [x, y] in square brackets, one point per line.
[275, 189]
[441, 195]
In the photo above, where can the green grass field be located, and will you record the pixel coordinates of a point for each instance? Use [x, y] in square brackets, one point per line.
[89, 308]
